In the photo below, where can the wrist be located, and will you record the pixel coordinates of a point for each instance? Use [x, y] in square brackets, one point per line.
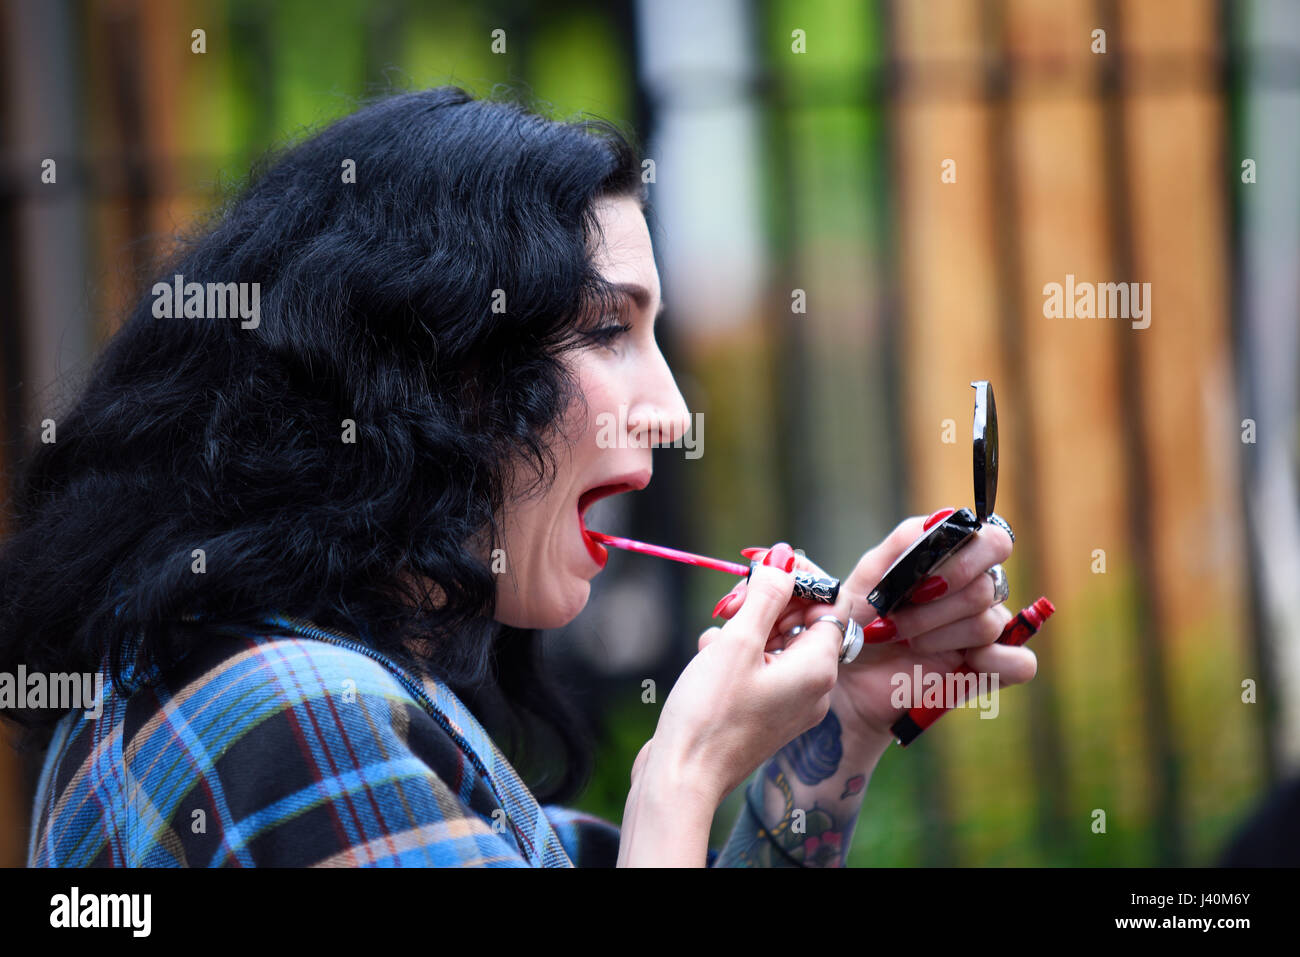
[667, 821]
[867, 746]
[667, 782]
[863, 741]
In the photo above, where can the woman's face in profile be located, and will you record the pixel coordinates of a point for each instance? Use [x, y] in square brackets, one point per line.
[631, 403]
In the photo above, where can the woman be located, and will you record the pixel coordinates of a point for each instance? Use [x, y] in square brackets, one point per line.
[307, 545]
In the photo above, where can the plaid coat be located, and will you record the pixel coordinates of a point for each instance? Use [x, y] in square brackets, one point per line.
[309, 749]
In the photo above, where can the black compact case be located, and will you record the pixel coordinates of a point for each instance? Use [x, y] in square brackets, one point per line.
[934, 547]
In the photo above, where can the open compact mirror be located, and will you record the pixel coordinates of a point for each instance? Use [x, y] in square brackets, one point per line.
[930, 551]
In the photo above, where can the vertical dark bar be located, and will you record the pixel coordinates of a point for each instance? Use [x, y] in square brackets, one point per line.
[927, 776]
[11, 292]
[19, 772]
[1167, 814]
[123, 69]
[1047, 748]
[252, 63]
[622, 14]
[789, 349]
[1267, 711]
[384, 23]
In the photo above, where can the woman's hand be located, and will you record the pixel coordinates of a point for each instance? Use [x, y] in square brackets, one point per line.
[735, 703]
[957, 627]
[733, 706]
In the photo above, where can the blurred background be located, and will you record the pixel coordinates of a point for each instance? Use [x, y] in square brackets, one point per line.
[857, 206]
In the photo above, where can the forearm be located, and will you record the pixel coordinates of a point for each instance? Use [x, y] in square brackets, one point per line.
[666, 823]
[807, 797]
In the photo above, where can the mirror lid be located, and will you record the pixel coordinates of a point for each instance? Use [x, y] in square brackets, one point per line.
[985, 442]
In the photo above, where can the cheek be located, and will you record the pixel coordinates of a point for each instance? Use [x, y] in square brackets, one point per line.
[595, 418]
[597, 373]
[528, 527]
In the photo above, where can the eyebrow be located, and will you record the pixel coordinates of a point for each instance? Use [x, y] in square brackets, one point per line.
[640, 295]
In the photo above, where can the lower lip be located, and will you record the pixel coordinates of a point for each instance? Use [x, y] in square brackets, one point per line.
[597, 551]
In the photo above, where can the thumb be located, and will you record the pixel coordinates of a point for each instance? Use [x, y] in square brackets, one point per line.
[766, 596]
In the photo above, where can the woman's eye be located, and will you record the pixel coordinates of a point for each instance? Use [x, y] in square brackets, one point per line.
[604, 335]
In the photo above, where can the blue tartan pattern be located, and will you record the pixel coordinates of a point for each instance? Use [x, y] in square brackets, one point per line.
[299, 748]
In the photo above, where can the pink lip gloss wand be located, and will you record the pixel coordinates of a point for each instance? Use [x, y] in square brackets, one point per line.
[806, 585]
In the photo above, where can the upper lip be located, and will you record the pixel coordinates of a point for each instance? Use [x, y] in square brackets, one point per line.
[615, 485]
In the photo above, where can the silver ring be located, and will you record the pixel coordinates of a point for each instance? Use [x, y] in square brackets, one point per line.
[1000, 522]
[853, 637]
[787, 636]
[834, 621]
[1001, 587]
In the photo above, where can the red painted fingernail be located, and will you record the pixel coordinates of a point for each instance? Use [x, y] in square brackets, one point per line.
[879, 631]
[781, 556]
[728, 606]
[936, 518]
[722, 602]
[752, 553]
[929, 589]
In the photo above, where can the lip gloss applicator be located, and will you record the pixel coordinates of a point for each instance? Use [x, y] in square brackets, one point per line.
[806, 585]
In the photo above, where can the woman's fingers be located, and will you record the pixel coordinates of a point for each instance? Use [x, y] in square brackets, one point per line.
[1013, 665]
[813, 658]
[730, 602]
[708, 637]
[961, 588]
[766, 595]
[990, 546]
[973, 632]
[915, 620]
[802, 563]
[854, 588]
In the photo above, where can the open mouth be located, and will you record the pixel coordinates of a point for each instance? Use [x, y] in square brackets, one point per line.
[585, 501]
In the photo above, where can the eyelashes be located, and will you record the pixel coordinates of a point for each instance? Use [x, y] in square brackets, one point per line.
[604, 335]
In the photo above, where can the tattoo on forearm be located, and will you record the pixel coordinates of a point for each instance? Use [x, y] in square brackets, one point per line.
[809, 837]
[815, 755]
[854, 785]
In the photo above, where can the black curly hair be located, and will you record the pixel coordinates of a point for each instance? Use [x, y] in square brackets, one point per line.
[376, 306]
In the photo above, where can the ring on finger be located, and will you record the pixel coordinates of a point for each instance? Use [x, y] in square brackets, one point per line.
[996, 519]
[853, 637]
[785, 638]
[1001, 586]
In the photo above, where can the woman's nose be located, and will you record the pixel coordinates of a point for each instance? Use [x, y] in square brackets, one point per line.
[661, 416]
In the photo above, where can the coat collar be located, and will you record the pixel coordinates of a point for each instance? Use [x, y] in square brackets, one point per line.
[532, 830]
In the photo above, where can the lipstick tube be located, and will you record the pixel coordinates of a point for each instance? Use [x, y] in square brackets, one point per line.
[1017, 631]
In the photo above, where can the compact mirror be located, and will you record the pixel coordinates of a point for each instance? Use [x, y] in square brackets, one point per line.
[985, 442]
[930, 551]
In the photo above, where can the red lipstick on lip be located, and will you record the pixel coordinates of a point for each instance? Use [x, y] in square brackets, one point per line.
[1017, 631]
[590, 497]
[598, 554]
